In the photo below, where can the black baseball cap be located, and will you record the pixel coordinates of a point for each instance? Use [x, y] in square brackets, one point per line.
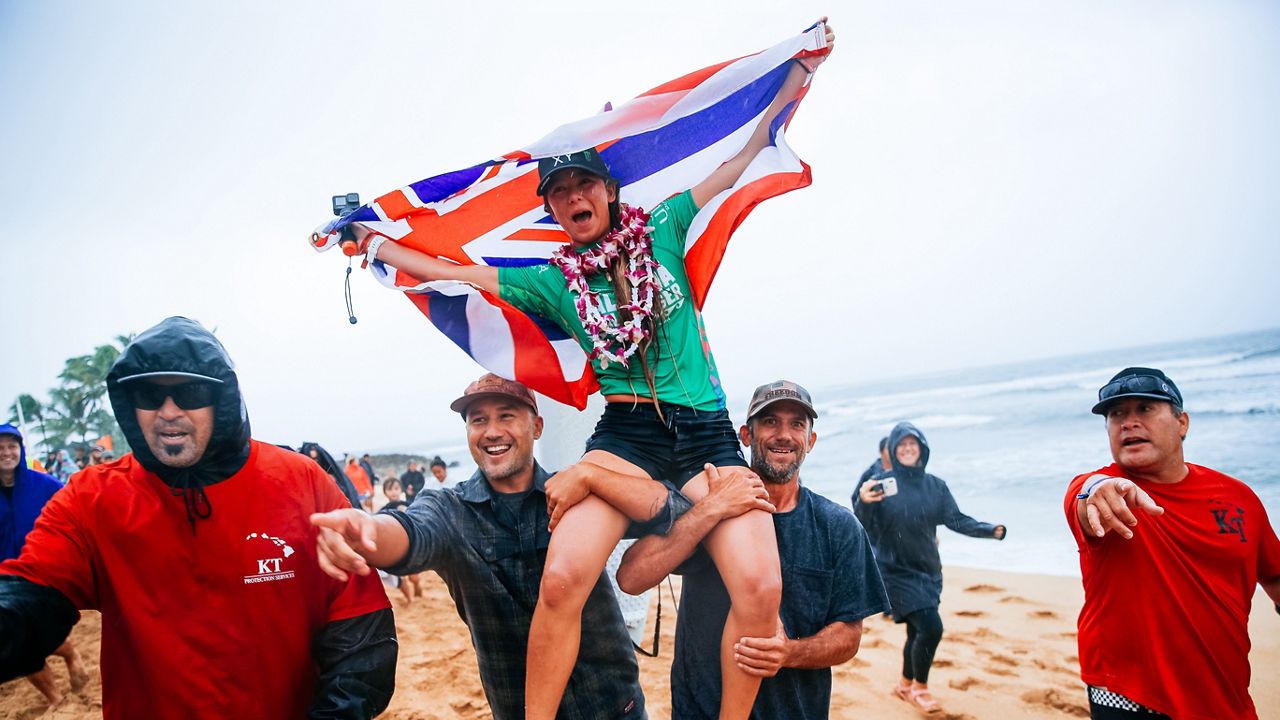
[773, 392]
[588, 160]
[1137, 382]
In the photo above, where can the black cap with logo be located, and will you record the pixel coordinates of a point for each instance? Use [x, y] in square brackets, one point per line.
[588, 160]
[1137, 382]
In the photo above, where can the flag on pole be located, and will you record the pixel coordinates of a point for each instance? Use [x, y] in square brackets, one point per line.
[657, 145]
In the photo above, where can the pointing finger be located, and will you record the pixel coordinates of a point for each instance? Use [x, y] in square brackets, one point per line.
[329, 568]
[1091, 511]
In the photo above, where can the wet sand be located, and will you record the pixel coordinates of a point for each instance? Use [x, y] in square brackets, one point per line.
[1009, 651]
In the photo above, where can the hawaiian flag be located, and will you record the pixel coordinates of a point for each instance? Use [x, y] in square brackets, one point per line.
[657, 145]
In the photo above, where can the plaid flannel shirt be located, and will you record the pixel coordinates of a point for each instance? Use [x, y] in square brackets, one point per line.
[493, 573]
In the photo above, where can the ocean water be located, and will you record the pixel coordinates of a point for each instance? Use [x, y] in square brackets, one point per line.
[1007, 439]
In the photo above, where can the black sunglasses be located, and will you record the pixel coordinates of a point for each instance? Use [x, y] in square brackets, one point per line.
[1149, 384]
[187, 396]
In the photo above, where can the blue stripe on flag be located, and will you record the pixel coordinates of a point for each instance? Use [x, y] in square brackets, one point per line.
[639, 156]
[553, 331]
[449, 314]
[779, 121]
[435, 189]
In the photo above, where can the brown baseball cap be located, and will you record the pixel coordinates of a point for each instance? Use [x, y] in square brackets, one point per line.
[766, 395]
[493, 386]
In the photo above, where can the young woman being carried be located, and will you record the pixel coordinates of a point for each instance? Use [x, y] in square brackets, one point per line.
[624, 295]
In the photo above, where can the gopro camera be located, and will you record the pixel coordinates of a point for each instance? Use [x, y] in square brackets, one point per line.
[345, 204]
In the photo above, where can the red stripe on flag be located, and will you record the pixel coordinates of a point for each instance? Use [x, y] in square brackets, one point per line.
[691, 80]
[538, 366]
[557, 236]
[445, 235]
[703, 259]
[395, 205]
[404, 280]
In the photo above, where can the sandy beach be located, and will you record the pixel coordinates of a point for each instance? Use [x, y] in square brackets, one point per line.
[1009, 651]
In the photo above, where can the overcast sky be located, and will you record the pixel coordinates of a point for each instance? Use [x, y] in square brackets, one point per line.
[993, 181]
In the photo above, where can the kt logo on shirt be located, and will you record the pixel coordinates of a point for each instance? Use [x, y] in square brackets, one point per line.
[1230, 518]
[267, 559]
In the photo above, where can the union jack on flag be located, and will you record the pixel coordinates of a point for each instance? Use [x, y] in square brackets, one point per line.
[657, 145]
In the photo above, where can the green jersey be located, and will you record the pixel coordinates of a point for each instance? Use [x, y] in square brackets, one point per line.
[684, 370]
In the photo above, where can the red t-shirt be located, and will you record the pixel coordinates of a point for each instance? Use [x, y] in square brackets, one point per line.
[1166, 614]
[215, 624]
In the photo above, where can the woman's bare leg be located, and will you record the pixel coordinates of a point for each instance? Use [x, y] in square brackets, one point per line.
[43, 680]
[745, 551]
[576, 556]
[75, 666]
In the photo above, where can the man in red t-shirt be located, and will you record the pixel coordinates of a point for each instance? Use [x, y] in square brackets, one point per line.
[1170, 554]
[197, 549]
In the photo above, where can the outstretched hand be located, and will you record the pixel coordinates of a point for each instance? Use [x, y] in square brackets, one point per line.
[346, 536]
[1110, 507]
[811, 62]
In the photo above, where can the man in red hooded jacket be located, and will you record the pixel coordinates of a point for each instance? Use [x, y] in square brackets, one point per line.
[197, 549]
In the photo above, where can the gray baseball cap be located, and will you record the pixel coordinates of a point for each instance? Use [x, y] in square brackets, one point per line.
[766, 395]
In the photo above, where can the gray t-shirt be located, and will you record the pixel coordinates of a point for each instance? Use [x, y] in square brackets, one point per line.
[828, 575]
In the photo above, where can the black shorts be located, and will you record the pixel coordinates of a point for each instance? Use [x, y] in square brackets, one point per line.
[673, 449]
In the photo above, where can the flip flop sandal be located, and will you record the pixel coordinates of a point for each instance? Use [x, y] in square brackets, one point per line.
[902, 693]
[924, 702]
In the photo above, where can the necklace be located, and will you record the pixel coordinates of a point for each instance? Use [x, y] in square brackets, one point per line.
[613, 340]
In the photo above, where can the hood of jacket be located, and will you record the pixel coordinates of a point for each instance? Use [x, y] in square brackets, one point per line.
[900, 431]
[329, 465]
[21, 505]
[23, 468]
[180, 345]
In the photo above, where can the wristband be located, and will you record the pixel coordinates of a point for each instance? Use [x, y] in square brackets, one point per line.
[371, 252]
[804, 65]
[1092, 485]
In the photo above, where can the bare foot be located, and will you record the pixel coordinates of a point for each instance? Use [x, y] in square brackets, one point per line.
[43, 680]
[79, 676]
[75, 666]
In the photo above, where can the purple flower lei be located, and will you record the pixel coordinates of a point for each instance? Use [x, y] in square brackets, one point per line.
[611, 341]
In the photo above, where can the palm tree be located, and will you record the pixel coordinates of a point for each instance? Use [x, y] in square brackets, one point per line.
[31, 410]
[77, 407]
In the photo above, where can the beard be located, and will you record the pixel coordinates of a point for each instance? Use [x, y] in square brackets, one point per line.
[771, 473]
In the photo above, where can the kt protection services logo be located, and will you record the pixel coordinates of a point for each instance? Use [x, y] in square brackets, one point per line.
[267, 558]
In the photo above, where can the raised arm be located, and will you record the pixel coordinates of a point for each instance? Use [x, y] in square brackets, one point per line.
[730, 493]
[723, 177]
[423, 266]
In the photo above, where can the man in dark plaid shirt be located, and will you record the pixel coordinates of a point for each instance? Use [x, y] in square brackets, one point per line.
[488, 538]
